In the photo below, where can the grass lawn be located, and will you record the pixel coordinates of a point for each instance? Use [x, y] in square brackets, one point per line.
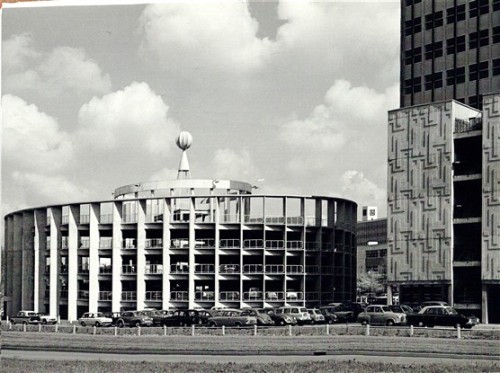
[352, 366]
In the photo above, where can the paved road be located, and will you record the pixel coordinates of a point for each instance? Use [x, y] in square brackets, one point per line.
[85, 356]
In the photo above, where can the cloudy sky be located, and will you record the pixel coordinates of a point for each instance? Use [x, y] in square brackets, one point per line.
[295, 93]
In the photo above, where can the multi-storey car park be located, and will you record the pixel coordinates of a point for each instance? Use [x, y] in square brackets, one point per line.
[179, 244]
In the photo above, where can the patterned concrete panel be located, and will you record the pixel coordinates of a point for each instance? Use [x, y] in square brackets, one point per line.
[491, 189]
[420, 193]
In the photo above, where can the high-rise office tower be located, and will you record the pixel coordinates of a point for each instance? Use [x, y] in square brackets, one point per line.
[443, 213]
[450, 49]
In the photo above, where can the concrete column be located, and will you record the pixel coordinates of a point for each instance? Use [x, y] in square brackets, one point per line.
[16, 250]
[166, 254]
[484, 304]
[247, 211]
[191, 252]
[36, 273]
[55, 238]
[451, 300]
[116, 285]
[28, 261]
[141, 256]
[73, 243]
[389, 294]
[94, 211]
[217, 251]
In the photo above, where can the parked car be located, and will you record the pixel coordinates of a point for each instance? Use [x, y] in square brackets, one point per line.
[95, 318]
[441, 315]
[338, 309]
[204, 315]
[316, 316]
[182, 318]
[381, 315]
[401, 308]
[279, 319]
[232, 318]
[262, 317]
[299, 313]
[25, 317]
[159, 316]
[433, 303]
[330, 318]
[133, 318]
[355, 307]
[47, 319]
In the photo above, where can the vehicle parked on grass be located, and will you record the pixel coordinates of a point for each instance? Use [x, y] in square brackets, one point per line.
[343, 314]
[279, 319]
[25, 317]
[182, 318]
[442, 316]
[133, 318]
[160, 315]
[47, 319]
[381, 315]
[299, 313]
[95, 319]
[263, 319]
[232, 318]
[316, 316]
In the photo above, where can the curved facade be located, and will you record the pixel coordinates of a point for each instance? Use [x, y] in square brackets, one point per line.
[177, 244]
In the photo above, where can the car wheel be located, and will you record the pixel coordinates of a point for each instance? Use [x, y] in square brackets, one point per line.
[212, 324]
[330, 321]
[25, 323]
[137, 324]
[82, 323]
[312, 322]
[421, 324]
[390, 323]
[44, 322]
[238, 325]
[185, 325]
[97, 324]
[282, 322]
[364, 322]
[120, 324]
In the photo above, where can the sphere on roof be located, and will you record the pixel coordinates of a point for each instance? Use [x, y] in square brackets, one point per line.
[184, 140]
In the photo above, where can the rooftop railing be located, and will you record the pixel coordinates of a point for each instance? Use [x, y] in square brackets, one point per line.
[468, 125]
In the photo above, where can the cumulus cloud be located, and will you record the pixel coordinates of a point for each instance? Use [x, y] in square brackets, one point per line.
[197, 35]
[346, 110]
[357, 187]
[53, 73]
[51, 188]
[229, 164]
[134, 118]
[17, 52]
[33, 140]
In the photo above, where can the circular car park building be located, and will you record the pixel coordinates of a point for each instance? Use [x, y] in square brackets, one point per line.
[183, 243]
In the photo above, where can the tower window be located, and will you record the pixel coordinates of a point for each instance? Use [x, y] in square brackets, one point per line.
[496, 35]
[455, 14]
[433, 20]
[496, 67]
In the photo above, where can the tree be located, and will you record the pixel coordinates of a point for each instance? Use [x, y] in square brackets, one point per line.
[368, 283]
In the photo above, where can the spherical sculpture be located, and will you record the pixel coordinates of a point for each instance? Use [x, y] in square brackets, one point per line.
[184, 140]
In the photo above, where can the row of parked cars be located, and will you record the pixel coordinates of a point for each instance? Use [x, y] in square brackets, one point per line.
[432, 313]
[287, 315]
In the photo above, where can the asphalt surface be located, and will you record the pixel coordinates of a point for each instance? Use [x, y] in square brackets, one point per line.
[246, 359]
